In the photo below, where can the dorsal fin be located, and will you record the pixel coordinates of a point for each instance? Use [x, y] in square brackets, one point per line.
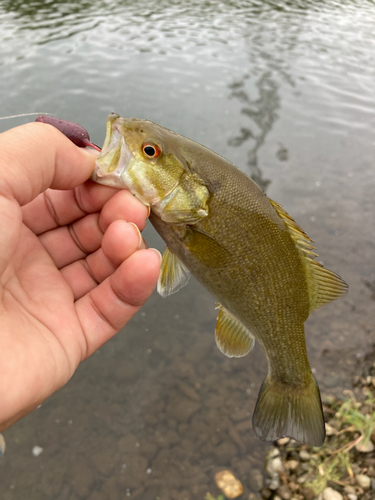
[323, 285]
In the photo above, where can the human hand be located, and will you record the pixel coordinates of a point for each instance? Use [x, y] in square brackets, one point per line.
[73, 267]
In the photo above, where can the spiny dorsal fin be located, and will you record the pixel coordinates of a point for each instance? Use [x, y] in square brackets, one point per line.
[173, 274]
[232, 338]
[323, 285]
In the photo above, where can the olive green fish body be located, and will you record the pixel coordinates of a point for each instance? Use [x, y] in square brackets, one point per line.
[243, 248]
[229, 260]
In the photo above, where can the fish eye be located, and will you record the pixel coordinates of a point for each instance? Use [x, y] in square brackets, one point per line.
[151, 150]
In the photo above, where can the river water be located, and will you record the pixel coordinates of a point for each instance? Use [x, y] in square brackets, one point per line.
[283, 89]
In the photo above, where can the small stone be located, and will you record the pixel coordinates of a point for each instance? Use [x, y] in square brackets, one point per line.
[229, 485]
[291, 464]
[274, 463]
[352, 496]
[308, 493]
[365, 447]
[266, 493]
[331, 494]
[284, 492]
[349, 489]
[36, 451]
[363, 481]
[303, 479]
[305, 455]
[283, 441]
[182, 409]
[274, 483]
[330, 431]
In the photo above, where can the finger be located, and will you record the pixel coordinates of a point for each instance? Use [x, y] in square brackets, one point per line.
[45, 158]
[55, 208]
[68, 244]
[120, 241]
[124, 205]
[108, 307]
[10, 224]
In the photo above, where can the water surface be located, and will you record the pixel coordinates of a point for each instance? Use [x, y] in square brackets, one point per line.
[286, 91]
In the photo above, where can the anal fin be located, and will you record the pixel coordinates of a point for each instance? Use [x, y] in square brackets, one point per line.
[173, 274]
[232, 337]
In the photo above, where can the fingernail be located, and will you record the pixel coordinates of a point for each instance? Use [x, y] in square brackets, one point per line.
[91, 152]
[156, 251]
[141, 241]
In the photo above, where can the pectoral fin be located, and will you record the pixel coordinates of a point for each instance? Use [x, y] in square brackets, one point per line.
[232, 338]
[173, 274]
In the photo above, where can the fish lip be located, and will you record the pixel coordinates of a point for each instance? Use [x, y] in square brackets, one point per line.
[114, 142]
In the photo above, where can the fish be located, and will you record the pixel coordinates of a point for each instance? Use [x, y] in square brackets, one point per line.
[244, 248]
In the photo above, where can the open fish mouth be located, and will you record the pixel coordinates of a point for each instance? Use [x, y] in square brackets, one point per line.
[114, 157]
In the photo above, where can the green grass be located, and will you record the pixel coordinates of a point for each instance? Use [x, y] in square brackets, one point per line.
[210, 497]
[333, 461]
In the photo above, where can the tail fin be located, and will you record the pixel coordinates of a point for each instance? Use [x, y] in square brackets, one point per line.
[293, 412]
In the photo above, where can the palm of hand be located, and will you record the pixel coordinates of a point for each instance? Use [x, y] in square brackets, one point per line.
[67, 288]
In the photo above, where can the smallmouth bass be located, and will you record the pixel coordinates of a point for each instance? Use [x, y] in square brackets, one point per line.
[244, 249]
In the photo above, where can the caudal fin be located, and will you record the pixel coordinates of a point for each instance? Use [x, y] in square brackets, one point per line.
[289, 412]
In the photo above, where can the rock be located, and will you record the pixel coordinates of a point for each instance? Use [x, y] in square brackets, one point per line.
[304, 455]
[352, 496]
[349, 489]
[182, 409]
[229, 485]
[330, 431]
[365, 447]
[291, 464]
[363, 481]
[273, 483]
[274, 464]
[188, 391]
[331, 494]
[284, 492]
[308, 493]
[283, 441]
[266, 493]
[36, 451]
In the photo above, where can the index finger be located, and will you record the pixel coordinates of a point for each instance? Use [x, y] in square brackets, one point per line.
[44, 158]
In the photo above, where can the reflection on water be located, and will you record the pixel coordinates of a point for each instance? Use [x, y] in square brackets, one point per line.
[285, 91]
[261, 112]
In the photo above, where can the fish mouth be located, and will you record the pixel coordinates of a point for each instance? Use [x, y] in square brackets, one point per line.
[114, 157]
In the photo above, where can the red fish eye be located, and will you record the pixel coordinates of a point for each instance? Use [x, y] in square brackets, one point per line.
[151, 150]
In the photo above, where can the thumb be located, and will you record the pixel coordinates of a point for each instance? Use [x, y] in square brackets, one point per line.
[35, 157]
[10, 228]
